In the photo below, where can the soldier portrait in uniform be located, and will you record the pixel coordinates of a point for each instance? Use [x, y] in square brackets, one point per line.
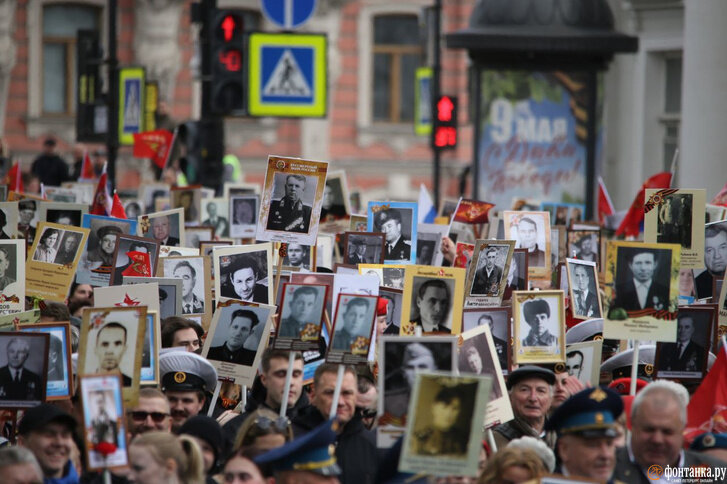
[397, 221]
[335, 197]
[475, 359]
[97, 259]
[498, 320]
[8, 220]
[298, 256]
[539, 326]
[687, 357]
[584, 245]
[674, 220]
[243, 215]
[8, 266]
[290, 212]
[393, 309]
[583, 286]
[363, 248]
[23, 369]
[302, 311]
[60, 375]
[353, 323]
[393, 277]
[103, 420]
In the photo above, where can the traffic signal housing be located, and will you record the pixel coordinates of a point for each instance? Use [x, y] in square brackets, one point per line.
[444, 132]
[226, 55]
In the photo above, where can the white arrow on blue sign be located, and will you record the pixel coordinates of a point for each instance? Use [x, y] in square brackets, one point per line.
[288, 14]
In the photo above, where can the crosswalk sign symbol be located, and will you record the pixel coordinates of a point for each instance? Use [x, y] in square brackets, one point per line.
[131, 103]
[287, 75]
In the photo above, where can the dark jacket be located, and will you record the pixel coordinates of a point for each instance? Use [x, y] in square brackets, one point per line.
[400, 251]
[29, 387]
[516, 428]
[692, 358]
[485, 285]
[628, 299]
[590, 308]
[355, 446]
[284, 215]
[631, 473]
[51, 170]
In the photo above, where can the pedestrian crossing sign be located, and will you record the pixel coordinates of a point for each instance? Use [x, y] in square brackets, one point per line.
[287, 75]
[131, 103]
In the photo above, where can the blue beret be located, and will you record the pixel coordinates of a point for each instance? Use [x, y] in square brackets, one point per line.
[708, 441]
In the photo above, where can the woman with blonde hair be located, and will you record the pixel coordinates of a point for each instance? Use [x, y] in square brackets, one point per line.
[164, 458]
[264, 430]
[513, 465]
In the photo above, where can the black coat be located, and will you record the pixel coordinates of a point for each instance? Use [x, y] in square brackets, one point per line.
[51, 170]
[692, 358]
[29, 388]
[628, 299]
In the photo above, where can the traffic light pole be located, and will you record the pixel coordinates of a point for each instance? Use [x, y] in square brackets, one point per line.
[112, 113]
[435, 91]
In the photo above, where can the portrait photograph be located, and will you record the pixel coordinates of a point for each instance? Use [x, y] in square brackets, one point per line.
[517, 275]
[62, 213]
[59, 380]
[398, 222]
[394, 299]
[353, 327]
[52, 260]
[244, 273]
[301, 316]
[531, 231]
[477, 356]
[539, 328]
[428, 233]
[60, 194]
[193, 234]
[23, 368]
[486, 275]
[166, 227]
[558, 245]
[647, 314]
[336, 204]
[363, 248]
[216, 214]
[231, 189]
[390, 275]
[111, 340]
[133, 208]
[676, 216]
[296, 257]
[97, 258]
[8, 220]
[170, 293]
[443, 434]
[400, 359]
[290, 207]
[188, 199]
[433, 300]
[104, 421]
[244, 210]
[150, 192]
[584, 245]
[236, 339]
[133, 256]
[687, 357]
[27, 218]
[583, 361]
[585, 296]
[564, 214]
[498, 321]
[196, 292]
[12, 276]
[313, 278]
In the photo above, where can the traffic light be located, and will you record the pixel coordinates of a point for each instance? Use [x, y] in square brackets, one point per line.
[89, 99]
[226, 50]
[444, 132]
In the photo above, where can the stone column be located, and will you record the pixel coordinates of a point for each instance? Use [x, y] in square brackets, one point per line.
[703, 160]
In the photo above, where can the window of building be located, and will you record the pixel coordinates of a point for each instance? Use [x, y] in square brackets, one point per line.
[397, 53]
[60, 26]
[671, 115]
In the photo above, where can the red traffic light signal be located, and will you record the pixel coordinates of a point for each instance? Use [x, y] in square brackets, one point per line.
[228, 27]
[444, 129]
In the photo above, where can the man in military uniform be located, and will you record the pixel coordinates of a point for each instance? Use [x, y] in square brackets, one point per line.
[537, 315]
[587, 428]
[187, 379]
[388, 221]
[105, 428]
[487, 277]
[301, 312]
[289, 214]
[355, 319]
[16, 381]
[358, 254]
[500, 344]
[5, 279]
[442, 436]
[234, 350]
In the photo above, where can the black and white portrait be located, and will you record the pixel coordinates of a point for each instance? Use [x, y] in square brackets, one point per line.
[394, 299]
[216, 214]
[302, 311]
[393, 277]
[28, 218]
[489, 271]
[48, 243]
[165, 227]
[64, 217]
[530, 231]
[674, 220]
[194, 234]
[69, 246]
[334, 196]
[8, 220]
[23, 363]
[103, 421]
[8, 266]
[687, 357]
[244, 211]
[584, 245]
[245, 276]
[59, 370]
[124, 265]
[517, 274]
[498, 320]
[292, 198]
[397, 225]
[539, 322]
[475, 359]
[583, 361]
[431, 304]
[354, 323]
[150, 194]
[237, 334]
[642, 278]
[583, 284]
[363, 248]
[191, 272]
[425, 251]
[189, 201]
[298, 255]
[133, 209]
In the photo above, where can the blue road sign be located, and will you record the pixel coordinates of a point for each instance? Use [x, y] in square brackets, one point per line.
[288, 14]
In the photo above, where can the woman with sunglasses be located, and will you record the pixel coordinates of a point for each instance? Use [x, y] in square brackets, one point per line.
[264, 430]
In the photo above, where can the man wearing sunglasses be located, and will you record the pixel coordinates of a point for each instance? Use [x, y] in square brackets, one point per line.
[150, 413]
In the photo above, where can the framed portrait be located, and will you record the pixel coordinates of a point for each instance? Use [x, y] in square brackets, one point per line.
[150, 192]
[477, 355]
[354, 284]
[237, 337]
[429, 244]
[27, 218]
[517, 275]
[97, 259]
[196, 294]
[133, 208]
[62, 213]
[585, 294]
[585, 245]
[539, 329]
[166, 227]
[336, 204]
[216, 214]
[188, 199]
[363, 248]
[23, 368]
[301, 310]
[443, 434]
[52, 260]
[353, 327]
[194, 233]
[498, 320]
[645, 315]
[244, 273]
[231, 189]
[292, 197]
[243, 211]
[686, 358]
[562, 276]
[714, 213]
[400, 359]
[134, 256]
[531, 231]
[324, 251]
[433, 300]
[313, 278]
[676, 216]
[449, 205]
[487, 273]
[12, 276]
[557, 244]
[206, 247]
[111, 338]
[390, 275]
[564, 214]
[358, 223]
[104, 421]
[59, 194]
[394, 303]
[463, 255]
[8, 220]
[170, 293]
[296, 257]
[583, 361]
[59, 379]
[398, 222]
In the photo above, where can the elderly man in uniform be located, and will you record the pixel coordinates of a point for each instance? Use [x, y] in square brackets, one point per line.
[587, 428]
[289, 214]
[389, 222]
[537, 314]
[186, 380]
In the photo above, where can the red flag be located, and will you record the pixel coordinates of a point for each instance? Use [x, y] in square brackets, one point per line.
[707, 409]
[13, 179]
[605, 206]
[154, 145]
[472, 211]
[139, 264]
[721, 197]
[87, 172]
[101, 199]
[631, 223]
[117, 209]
